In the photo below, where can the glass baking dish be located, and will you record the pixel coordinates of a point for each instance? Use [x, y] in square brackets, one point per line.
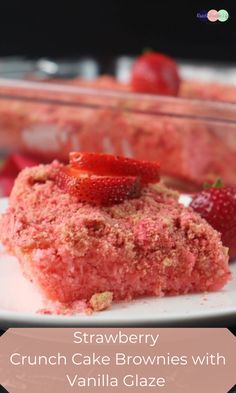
[194, 140]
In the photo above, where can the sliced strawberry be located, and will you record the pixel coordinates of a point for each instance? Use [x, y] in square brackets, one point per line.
[98, 190]
[109, 165]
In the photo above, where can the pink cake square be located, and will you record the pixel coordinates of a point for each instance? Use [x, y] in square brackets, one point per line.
[151, 245]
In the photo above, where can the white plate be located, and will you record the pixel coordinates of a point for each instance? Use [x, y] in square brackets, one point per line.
[20, 300]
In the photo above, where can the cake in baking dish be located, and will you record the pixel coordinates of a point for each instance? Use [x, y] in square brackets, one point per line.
[198, 151]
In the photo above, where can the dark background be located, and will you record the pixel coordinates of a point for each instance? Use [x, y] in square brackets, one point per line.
[105, 28]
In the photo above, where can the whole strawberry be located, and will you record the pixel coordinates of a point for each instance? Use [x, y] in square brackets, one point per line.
[218, 207]
[155, 73]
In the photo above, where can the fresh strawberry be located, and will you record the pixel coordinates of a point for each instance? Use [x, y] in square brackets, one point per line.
[218, 207]
[155, 73]
[109, 165]
[98, 190]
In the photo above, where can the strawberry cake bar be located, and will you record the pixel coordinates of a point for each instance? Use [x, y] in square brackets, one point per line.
[102, 227]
